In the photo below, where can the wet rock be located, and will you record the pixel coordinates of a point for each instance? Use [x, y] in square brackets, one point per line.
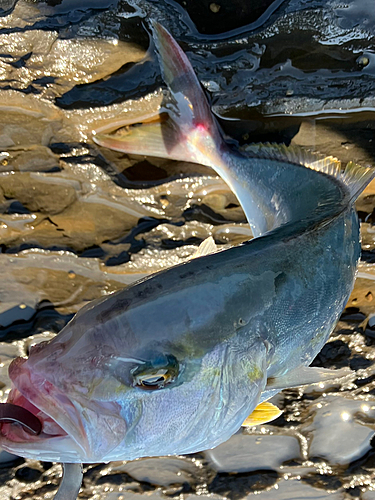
[236, 485]
[368, 495]
[65, 281]
[5, 475]
[26, 54]
[128, 495]
[80, 226]
[224, 15]
[7, 6]
[7, 459]
[27, 474]
[244, 452]
[295, 489]
[131, 80]
[303, 73]
[167, 471]
[330, 137]
[39, 194]
[35, 159]
[358, 362]
[19, 312]
[323, 482]
[364, 290]
[334, 354]
[29, 122]
[336, 416]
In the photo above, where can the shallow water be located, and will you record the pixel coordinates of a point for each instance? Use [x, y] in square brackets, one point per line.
[78, 222]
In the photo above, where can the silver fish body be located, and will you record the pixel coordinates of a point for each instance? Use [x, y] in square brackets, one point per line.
[231, 321]
[176, 362]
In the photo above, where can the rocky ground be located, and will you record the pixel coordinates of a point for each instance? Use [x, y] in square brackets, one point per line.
[78, 222]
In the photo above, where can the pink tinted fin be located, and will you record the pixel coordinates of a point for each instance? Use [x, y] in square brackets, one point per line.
[178, 74]
[124, 122]
[184, 130]
[152, 138]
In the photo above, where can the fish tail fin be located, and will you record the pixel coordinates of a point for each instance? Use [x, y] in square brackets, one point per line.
[185, 128]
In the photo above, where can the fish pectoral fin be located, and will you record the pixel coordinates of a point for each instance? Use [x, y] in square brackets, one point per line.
[263, 413]
[306, 375]
[205, 248]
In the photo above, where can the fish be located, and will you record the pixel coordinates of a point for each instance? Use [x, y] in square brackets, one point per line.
[177, 362]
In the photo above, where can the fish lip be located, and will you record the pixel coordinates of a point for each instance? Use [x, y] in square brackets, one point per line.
[38, 395]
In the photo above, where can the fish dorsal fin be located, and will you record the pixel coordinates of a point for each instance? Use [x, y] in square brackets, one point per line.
[294, 154]
[205, 248]
[263, 413]
[355, 177]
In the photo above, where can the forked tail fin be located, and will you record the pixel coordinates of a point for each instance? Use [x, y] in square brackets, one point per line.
[270, 182]
[185, 129]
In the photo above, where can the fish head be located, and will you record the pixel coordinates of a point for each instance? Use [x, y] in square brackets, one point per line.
[55, 386]
[102, 396]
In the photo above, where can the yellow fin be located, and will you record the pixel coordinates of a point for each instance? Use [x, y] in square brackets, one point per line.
[263, 413]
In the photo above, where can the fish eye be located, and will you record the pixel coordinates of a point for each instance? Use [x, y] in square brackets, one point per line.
[156, 374]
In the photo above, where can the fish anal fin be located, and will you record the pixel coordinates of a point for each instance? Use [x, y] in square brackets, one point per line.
[263, 413]
[306, 375]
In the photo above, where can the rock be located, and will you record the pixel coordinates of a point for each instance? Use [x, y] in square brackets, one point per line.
[301, 73]
[7, 6]
[242, 453]
[166, 471]
[32, 51]
[237, 485]
[35, 159]
[295, 489]
[335, 417]
[334, 354]
[27, 474]
[38, 193]
[6, 459]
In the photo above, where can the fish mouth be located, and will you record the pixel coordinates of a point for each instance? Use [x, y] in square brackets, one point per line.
[61, 435]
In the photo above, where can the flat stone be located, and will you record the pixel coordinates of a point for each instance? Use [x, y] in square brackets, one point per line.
[89, 60]
[294, 489]
[39, 194]
[337, 432]
[163, 471]
[244, 452]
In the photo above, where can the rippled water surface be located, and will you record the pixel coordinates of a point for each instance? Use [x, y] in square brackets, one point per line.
[78, 222]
